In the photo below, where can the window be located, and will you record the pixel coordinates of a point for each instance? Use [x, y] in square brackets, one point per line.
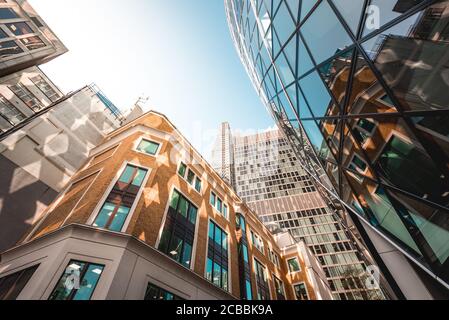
[10, 112]
[357, 164]
[364, 130]
[33, 43]
[119, 202]
[11, 286]
[274, 258]
[179, 230]
[8, 13]
[263, 289]
[191, 177]
[46, 89]
[182, 170]
[279, 286]
[26, 96]
[19, 28]
[148, 147]
[9, 48]
[249, 293]
[218, 204]
[293, 265]
[155, 293]
[301, 292]
[213, 199]
[217, 257]
[257, 242]
[78, 281]
[198, 184]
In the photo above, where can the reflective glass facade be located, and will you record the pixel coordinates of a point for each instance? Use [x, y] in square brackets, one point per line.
[361, 88]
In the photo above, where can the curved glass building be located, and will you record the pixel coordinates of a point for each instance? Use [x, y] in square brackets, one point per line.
[361, 89]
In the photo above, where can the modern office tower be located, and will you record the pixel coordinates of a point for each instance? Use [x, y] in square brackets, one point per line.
[365, 84]
[147, 217]
[39, 155]
[270, 179]
[223, 154]
[25, 39]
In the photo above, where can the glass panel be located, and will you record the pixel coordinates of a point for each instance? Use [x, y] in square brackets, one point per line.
[412, 57]
[198, 184]
[192, 214]
[385, 11]
[104, 215]
[212, 199]
[217, 275]
[187, 255]
[209, 270]
[249, 293]
[140, 176]
[182, 170]
[66, 284]
[315, 92]
[119, 219]
[19, 28]
[190, 177]
[218, 236]
[175, 248]
[127, 174]
[89, 282]
[148, 147]
[224, 279]
[211, 230]
[324, 39]
[183, 207]
[224, 240]
[174, 200]
[293, 265]
[351, 11]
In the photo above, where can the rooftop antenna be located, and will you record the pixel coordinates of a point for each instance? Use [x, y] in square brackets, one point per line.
[142, 100]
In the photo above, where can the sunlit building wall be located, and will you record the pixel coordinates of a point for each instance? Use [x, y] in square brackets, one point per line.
[361, 90]
[39, 156]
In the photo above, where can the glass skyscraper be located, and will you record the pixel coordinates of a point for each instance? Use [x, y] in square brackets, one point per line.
[361, 89]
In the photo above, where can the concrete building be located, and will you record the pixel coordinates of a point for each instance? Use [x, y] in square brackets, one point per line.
[146, 217]
[363, 94]
[40, 155]
[25, 39]
[270, 179]
[23, 94]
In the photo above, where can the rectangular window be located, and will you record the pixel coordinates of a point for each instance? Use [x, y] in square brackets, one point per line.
[198, 184]
[8, 13]
[179, 230]
[9, 48]
[293, 265]
[10, 112]
[190, 177]
[357, 164]
[154, 293]
[182, 170]
[257, 242]
[78, 281]
[364, 129]
[249, 293]
[46, 89]
[225, 211]
[11, 286]
[148, 147]
[301, 292]
[213, 199]
[26, 96]
[33, 43]
[217, 257]
[263, 289]
[19, 28]
[279, 286]
[119, 202]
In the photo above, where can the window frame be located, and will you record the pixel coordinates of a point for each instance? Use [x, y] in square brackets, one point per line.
[164, 221]
[219, 199]
[216, 224]
[305, 286]
[196, 177]
[288, 265]
[108, 191]
[141, 139]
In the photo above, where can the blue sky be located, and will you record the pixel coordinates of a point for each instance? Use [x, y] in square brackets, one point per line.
[177, 52]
